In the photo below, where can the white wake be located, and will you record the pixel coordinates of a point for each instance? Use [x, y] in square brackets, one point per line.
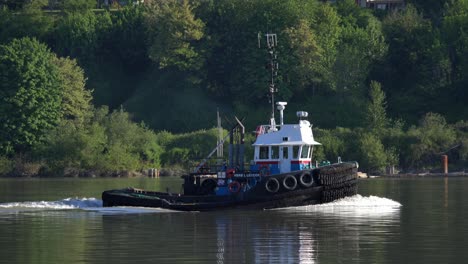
[84, 204]
[68, 203]
[353, 206]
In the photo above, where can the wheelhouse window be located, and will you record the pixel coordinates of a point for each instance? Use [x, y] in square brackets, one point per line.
[295, 152]
[275, 152]
[305, 152]
[285, 152]
[263, 152]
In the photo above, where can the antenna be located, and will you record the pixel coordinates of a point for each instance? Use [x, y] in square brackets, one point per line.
[271, 44]
[219, 151]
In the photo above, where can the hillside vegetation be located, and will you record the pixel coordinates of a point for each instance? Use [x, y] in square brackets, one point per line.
[134, 87]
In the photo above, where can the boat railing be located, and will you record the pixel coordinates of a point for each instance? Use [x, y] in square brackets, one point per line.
[214, 169]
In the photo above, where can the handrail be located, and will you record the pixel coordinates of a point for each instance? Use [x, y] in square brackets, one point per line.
[214, 150]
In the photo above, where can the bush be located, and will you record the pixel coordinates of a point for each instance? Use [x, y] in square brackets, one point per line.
[182, 148]
[428, 141]
[372, 155]
[108, 142]
[6, 165]
[332, 145]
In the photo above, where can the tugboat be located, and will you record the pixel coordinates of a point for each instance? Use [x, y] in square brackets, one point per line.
[281, 173]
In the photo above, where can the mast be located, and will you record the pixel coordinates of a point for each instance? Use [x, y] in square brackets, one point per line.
[272, 66]
[219, 151]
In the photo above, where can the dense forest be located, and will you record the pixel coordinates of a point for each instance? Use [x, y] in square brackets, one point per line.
[87, 91]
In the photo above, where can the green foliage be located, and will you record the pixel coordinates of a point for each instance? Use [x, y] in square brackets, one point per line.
[30, 94]
[306, 53]
[372, 155]
[360, 47]
[127, 38]
[181, 148]
[79, 34]
[6, 165]
[333, 145]
[416, 66]
[76, 99]
[107, 142]
[206, 56]
[428, 141]
[29, 21]
[454, 33]
[352, 14]
[376, 116]
[432, 8]
[78, 5]
[167, 100]
[461, 129]
[172, 30]
[326, 23]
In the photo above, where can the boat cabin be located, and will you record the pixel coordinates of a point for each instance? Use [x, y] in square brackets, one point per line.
[284, 148]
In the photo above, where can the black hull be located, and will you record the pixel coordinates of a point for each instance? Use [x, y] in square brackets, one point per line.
[330, 183]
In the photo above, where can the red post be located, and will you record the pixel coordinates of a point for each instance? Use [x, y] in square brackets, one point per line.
[445, 163]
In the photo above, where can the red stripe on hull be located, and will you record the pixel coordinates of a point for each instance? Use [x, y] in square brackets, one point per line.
[267, 162]
[300, 162]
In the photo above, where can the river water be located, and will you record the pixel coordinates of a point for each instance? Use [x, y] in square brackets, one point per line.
[390, 221]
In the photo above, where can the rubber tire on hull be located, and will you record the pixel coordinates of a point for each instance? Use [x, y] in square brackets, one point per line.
[208, 186]
[289, 182]
[338, 181]
[272, 185]
[306, 179]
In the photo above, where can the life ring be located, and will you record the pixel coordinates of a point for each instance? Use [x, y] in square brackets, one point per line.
[272, 185]
[230, 173]
[306, 179]
[209, 185]
[290, 182]
[264, 170]
[234, 187]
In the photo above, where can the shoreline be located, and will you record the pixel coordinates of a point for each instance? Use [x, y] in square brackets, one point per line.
[420, 175]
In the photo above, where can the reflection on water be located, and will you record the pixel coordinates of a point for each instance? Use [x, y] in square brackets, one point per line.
[276, 236]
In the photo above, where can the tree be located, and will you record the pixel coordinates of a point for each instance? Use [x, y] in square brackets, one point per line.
[307, 54]
[416, 69]
[30, 94]
[172, 31]
[127, 38]
[454, 32]
[79, 35]
[326, 24]
[376, 116]
[432, 9]
[28, 21]
[372, 155]
[106, 142]
[428, 141]
[78, 5]
[76, 99]
[361, 45]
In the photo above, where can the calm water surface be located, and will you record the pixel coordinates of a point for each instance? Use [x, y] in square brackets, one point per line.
[390, 221]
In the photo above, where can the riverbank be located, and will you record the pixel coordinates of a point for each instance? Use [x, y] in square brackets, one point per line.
[462, 173]
[33, 172]
[428, 175]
